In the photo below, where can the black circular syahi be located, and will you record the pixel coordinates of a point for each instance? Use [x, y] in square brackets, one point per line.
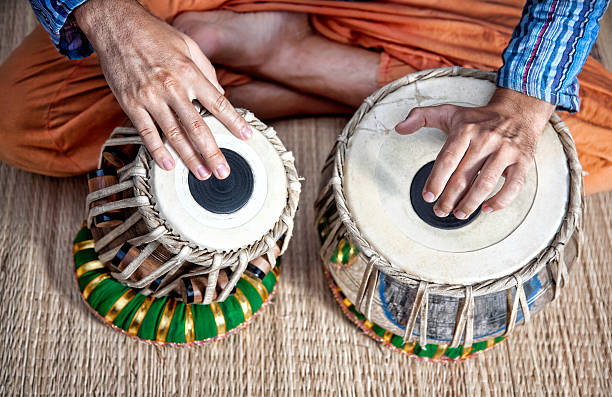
[425, 210]
[224, 196]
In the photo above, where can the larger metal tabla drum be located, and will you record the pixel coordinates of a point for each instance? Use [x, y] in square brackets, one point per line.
[441, 288]
[169, 259]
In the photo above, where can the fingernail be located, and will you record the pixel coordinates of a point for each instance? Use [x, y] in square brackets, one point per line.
[167, 164]
[222, 171]
[487, 210]
[246, 133]
[428, 196]
[460, 214]
[440, 214]
[202, 172]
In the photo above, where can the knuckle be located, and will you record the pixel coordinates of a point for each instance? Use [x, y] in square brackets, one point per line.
[486, 183]
[173, 133]
[197, 124]
[146, 133]
[220, 104]
[457, 184]
[213, 155]
[448, 158]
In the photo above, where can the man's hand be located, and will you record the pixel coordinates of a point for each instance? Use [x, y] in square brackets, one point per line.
[155, 73]
[483, 144]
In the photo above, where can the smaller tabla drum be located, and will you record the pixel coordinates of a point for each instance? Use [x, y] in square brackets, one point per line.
[441, 288]
[170, 259]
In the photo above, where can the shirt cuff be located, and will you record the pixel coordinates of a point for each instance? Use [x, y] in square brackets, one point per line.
[58, 20]
[72, 41]
[567, 100]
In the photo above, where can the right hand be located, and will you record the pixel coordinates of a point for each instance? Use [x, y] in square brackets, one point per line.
[155, 72]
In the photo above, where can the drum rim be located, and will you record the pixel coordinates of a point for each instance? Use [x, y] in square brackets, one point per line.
[204, 256]
[554, 252]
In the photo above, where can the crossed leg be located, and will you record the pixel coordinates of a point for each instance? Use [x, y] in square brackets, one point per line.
[281, 48]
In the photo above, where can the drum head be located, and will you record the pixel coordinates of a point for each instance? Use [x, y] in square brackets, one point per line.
[224, 214]
[380, 168]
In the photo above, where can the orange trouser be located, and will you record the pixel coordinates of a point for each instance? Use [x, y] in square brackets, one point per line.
[56, 113]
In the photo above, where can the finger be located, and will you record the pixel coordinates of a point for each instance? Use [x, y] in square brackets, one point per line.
[446, 163]
[484, 184]
[179, 141]
[203, 64]
[150, 137]
[430, 116]
[223, 110]
[515, 179]
[460, 181]
[200, 136]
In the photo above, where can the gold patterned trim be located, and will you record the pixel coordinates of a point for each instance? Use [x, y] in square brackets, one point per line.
[164, 323]
[219, 318]
[347, 302]
[490, 342]
[276, 271]
[440, 352]
[466, 352]
[140, 315]
[387, 336]
[244, 303]
[123, 300]
[256, 283]
[189, 326]
[89, 266]
[368, 323]
[83, 245]
[93, 284]
[409, 347]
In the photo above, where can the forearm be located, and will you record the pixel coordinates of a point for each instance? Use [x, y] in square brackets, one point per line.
[548, 49]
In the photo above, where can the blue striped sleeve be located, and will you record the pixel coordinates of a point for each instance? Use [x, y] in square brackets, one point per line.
[548, 49]
[57, 19]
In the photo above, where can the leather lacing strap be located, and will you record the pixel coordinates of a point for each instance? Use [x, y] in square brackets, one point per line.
[465, 321]
[131, 170]
[212, 279]
[519, 298]
[420, 305]
[135, 264]
[365, 295]
[134, 138]
[118, 231]
[243, 262]
[116, 205]
[168, 267]
[562, 276]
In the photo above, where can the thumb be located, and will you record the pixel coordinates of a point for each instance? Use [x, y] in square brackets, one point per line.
[429, 116]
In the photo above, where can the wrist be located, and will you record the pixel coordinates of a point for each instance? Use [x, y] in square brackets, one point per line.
[94, 16]
[533, 110]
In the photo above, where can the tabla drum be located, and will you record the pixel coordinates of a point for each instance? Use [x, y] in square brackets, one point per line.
[169, 259]
[441, 288]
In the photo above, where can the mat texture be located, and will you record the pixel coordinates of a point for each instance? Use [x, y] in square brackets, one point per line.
[302, 345]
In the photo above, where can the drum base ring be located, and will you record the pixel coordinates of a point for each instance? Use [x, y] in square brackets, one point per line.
[436, 353]
[83, 248]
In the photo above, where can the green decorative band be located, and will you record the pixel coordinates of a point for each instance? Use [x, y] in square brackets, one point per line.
[433, 352]
[164, 320]
[345, 253]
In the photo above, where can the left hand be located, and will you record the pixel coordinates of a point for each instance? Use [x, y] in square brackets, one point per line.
[483, 144]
